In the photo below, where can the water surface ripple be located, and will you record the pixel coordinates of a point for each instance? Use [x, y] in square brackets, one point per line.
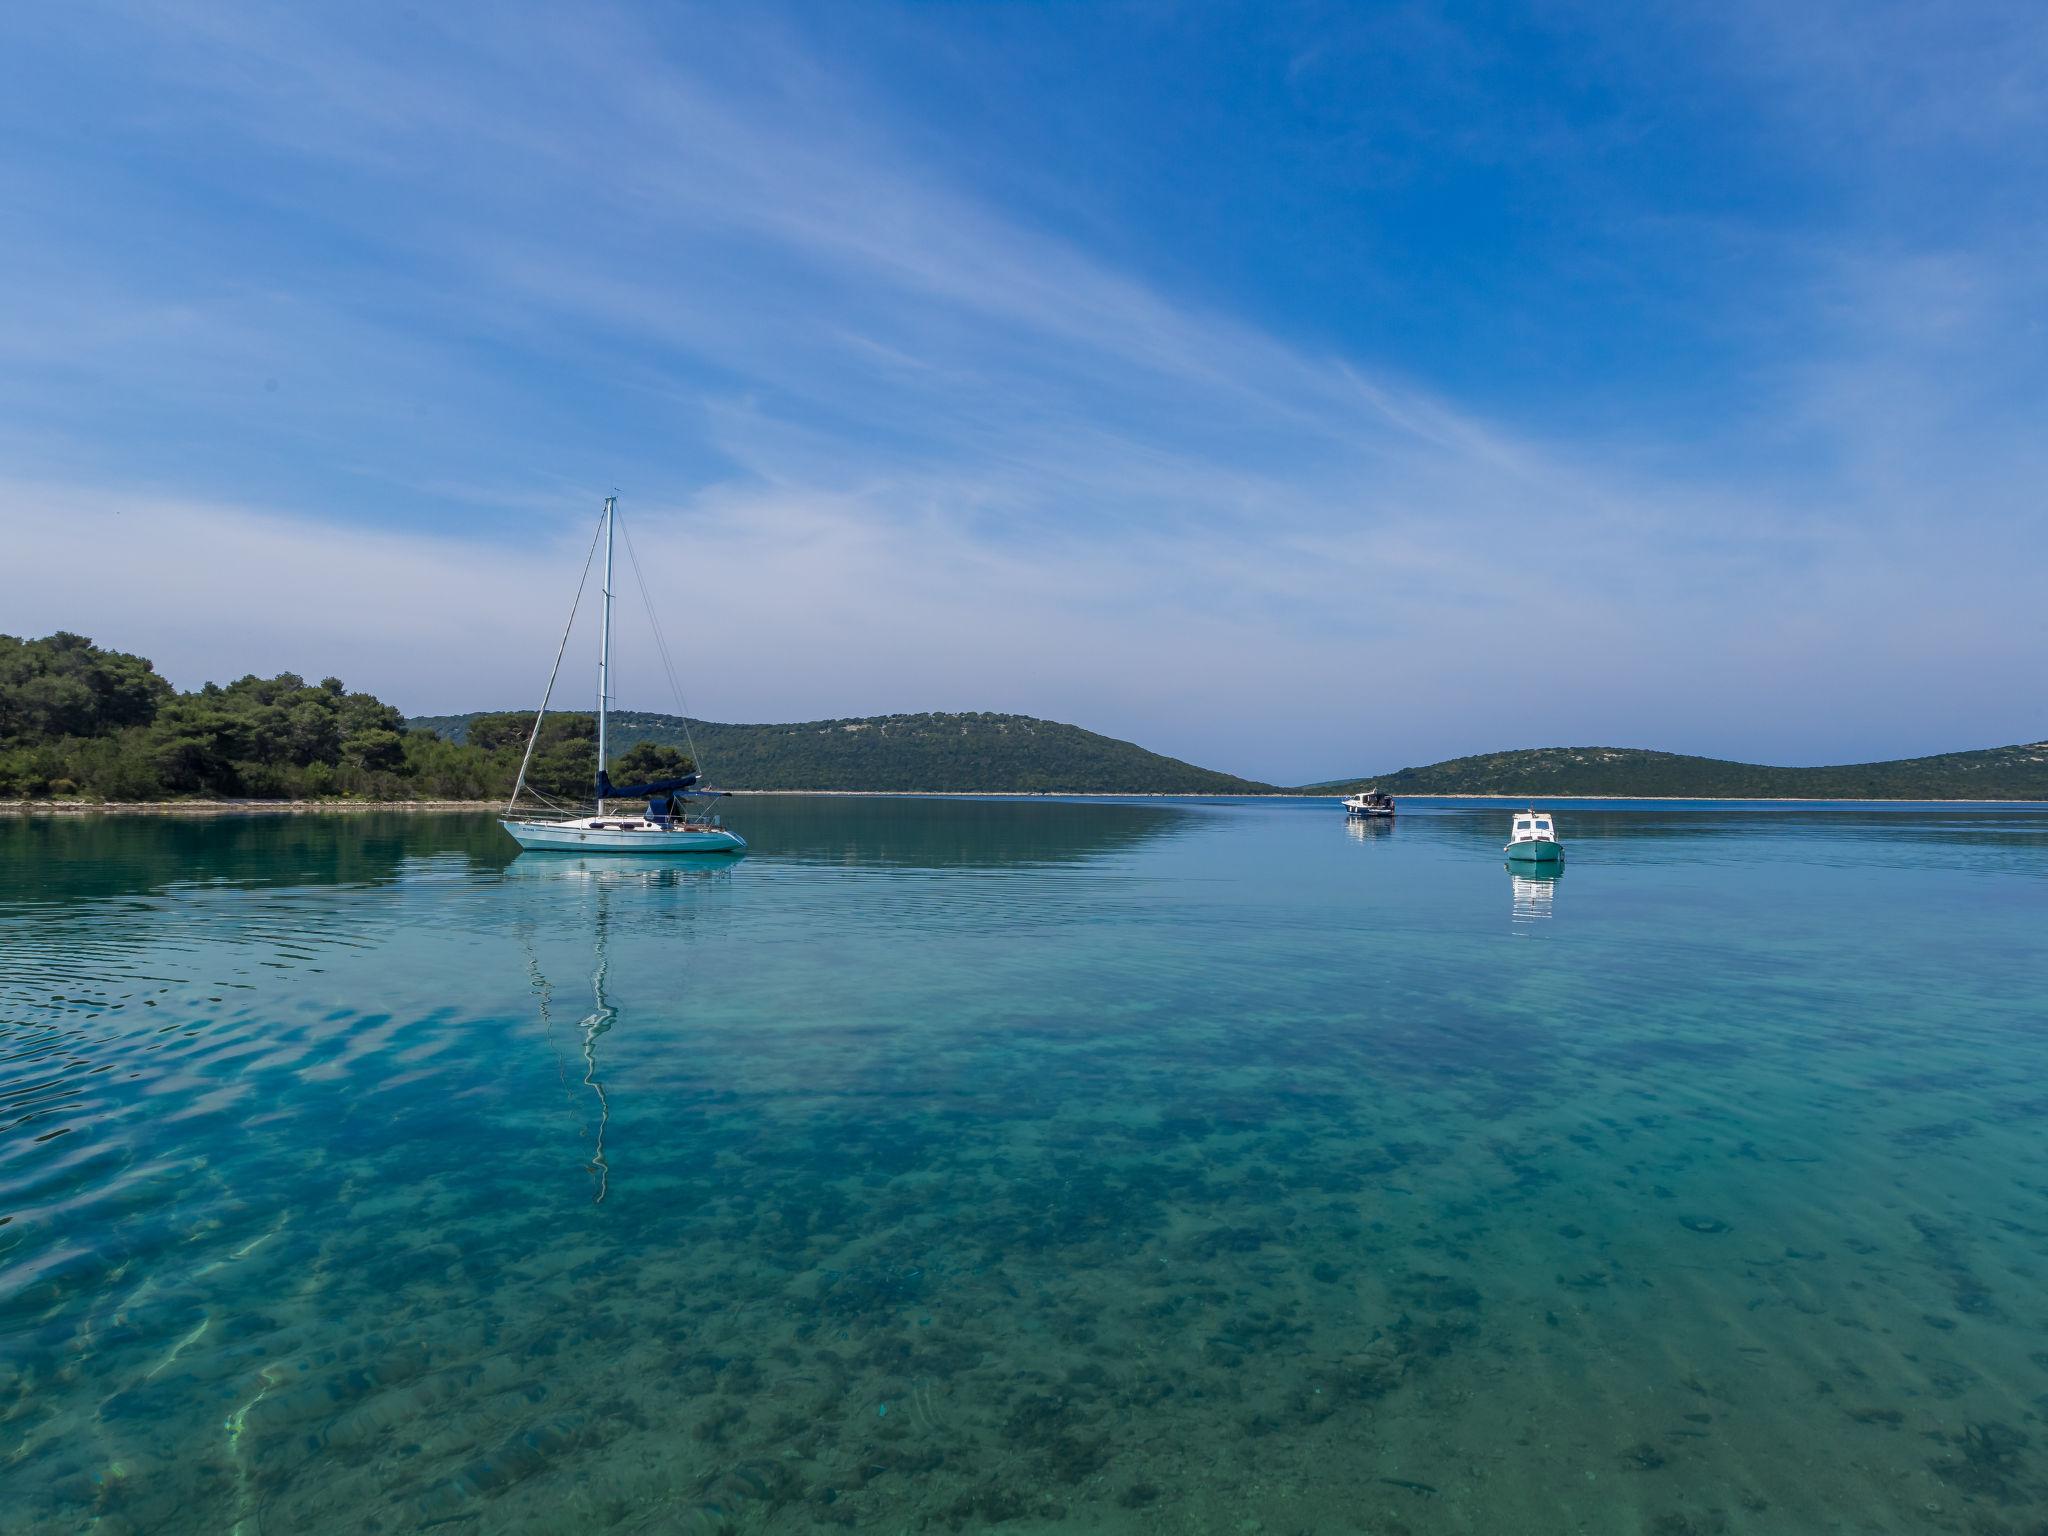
[946, 1165]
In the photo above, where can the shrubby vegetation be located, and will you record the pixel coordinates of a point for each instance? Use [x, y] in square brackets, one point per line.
[968, 752]
[564, 762]
[1997, 773]
[76, 720]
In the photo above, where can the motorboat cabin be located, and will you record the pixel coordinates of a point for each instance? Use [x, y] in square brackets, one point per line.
[1369, 802]
[1534, 839]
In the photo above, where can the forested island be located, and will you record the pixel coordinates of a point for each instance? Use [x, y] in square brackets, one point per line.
[79, 722]
[1996, 773]
[937, 753]
[82, 723]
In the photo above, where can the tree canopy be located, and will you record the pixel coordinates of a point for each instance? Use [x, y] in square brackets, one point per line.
[79, 720]
[965, 753]
[646, 761]
[64, 685]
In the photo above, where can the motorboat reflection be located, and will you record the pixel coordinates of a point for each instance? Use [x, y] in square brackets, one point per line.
[1532, 891]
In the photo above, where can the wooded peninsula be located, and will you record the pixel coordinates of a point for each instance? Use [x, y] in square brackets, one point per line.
[82, 723]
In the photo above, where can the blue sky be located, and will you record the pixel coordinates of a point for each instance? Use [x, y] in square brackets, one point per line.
[1303, 390]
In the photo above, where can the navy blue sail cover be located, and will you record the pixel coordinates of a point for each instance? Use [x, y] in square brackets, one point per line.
[670, 788]
[607, 790]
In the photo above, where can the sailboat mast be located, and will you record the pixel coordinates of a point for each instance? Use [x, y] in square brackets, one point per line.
[604, 644]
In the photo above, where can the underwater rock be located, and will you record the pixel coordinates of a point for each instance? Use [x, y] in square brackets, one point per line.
[1711, 1226]
[989, 1505]
[1990, 1458]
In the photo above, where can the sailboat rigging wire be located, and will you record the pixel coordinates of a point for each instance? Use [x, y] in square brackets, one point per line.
[661, 647]
[533, 737]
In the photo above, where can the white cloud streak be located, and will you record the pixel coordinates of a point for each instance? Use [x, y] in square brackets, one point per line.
[929, 455]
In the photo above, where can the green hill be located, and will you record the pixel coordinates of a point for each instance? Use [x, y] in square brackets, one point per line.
[80, 722]
[1998, 773]
[960, 753]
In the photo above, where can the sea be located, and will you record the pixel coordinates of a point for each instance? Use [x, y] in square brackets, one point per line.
[1039, 1165]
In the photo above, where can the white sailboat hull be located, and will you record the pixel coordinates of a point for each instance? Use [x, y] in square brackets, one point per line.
[620, 834]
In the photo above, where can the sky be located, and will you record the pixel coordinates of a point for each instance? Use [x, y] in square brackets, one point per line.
[1303, 390]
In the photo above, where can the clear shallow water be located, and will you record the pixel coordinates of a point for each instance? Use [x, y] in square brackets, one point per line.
[1151, 1166]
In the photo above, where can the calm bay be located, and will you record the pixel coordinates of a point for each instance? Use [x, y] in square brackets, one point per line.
[942, 1164]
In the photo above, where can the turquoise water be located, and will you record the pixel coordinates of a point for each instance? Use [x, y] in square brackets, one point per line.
[1160, 1166]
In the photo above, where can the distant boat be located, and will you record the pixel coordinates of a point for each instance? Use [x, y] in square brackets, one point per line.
[665, 826]
[1534, 840]
[1368, 802]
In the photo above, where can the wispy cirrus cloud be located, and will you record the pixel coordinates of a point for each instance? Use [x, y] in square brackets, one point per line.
[422, 293]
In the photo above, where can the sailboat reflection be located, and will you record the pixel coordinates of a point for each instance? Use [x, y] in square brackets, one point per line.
[595, 1024]
[604, 876]
[1532, 893]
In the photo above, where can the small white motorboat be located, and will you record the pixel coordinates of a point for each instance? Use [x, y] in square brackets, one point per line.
[1368, 802]
[1534, 840]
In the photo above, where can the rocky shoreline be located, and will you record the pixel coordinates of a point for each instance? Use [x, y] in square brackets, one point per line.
[228, 807]
[316, 807]
[321, 807]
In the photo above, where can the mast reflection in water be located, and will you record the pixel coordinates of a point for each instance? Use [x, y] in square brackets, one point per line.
[601, 874]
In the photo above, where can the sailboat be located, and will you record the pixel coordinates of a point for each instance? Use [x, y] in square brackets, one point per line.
[666, 825]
